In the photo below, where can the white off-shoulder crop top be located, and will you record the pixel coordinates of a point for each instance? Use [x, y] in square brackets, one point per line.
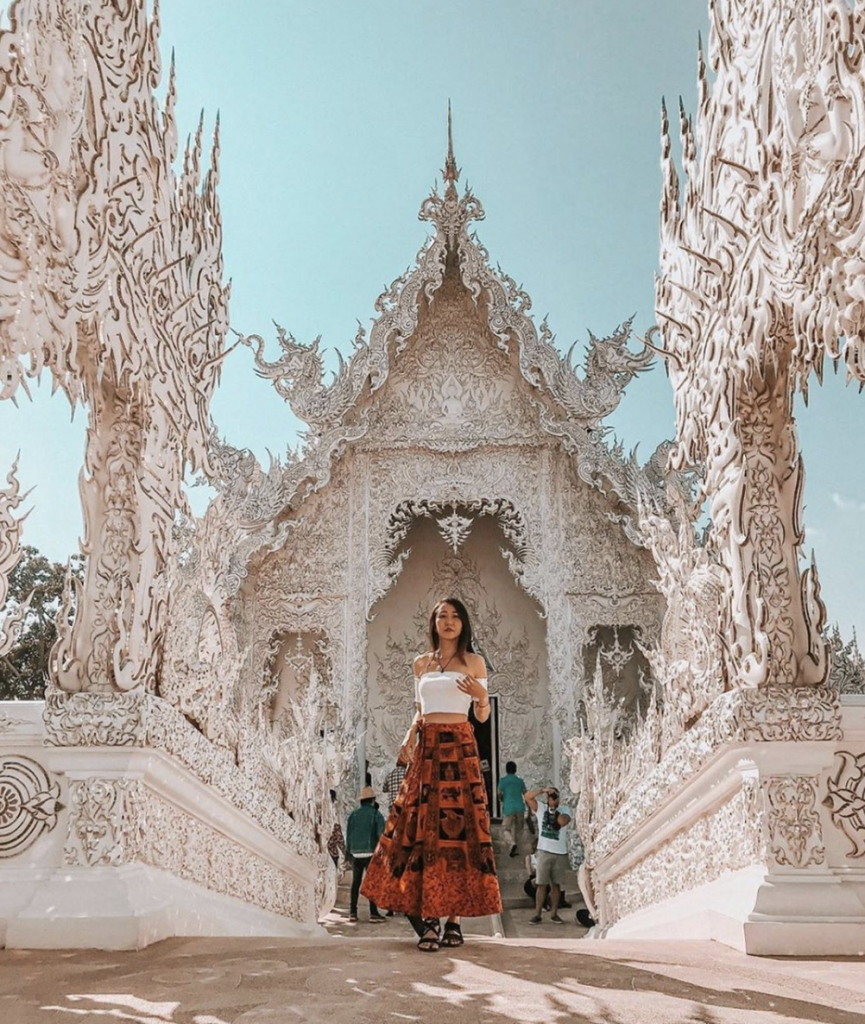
[437, 693]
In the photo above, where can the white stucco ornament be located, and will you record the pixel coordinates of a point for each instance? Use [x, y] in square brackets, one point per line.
[12, 622]
[762, 248]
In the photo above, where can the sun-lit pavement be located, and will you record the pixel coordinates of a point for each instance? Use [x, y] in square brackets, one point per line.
[374, 975]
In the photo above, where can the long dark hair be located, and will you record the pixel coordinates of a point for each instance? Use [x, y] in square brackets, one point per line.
[464, 641]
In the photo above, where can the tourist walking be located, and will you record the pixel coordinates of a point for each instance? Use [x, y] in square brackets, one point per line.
[511, 789]
[435, 857]
[552, 853]
[393, 782]
[365, 825]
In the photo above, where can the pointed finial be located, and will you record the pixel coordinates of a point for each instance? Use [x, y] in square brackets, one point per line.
[451, 173]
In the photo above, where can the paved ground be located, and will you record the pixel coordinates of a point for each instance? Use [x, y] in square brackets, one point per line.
[372, 974]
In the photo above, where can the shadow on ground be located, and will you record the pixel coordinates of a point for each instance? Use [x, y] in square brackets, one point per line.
[383, 978]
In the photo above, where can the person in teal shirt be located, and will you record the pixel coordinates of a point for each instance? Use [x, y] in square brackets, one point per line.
[365, 825]
[511, 789]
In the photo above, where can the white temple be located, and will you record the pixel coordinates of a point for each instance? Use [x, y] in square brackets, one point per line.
[215, 678]
[454, 453]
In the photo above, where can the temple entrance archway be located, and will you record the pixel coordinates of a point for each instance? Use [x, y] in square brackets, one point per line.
[453, 551]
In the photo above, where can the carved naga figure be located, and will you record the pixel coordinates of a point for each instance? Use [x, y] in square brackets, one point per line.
[609, 367]
[761, 275]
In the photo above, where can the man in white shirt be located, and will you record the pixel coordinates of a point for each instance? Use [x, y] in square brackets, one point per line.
[552, 853]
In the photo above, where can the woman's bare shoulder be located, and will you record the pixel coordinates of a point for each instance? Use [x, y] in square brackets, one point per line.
[422, 663]
[476, 665]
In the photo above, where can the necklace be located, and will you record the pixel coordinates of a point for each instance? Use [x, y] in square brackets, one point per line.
[439, 659]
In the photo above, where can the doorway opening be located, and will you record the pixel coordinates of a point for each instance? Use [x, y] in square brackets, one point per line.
[487, 736]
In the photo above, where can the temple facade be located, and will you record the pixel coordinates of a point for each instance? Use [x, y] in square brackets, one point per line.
[457, 454]
[214, 678]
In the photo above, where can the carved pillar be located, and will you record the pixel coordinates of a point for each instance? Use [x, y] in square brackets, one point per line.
[761, 257]
[117, 291]
[109, 646]
[754, 481]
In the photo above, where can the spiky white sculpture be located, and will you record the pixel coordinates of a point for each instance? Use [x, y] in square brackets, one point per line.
[111, 281]
[762, 260]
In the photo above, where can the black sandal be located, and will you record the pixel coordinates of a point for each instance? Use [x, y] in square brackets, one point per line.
[429, 942]
[453, 935]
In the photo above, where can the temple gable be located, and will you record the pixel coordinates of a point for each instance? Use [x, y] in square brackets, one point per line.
[453, 387]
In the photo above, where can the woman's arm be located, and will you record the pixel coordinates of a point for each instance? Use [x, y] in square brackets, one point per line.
[483, 710]
[531, 798]
[471, 685]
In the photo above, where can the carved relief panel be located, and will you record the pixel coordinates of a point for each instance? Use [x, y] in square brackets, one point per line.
[624, 669]
[599, 558]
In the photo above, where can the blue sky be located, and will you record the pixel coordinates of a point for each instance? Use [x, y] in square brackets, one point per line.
[333, 130]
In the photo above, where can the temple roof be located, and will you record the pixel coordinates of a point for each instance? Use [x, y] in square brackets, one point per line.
[572, 406]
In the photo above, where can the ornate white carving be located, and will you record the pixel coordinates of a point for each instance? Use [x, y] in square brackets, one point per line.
[117, 821]
[10, 555]
[792, 820]
[848, 665]
[616, 656]
[29, 803]
[309, 744]
[624, 779]
[761, 256]
[789, 713]
[846, 799]
[758, 254]
[138, 719]
[9, 723]
[95, 719]
[177, 842]
[105, 821]
[455, 528]
[298, 375]
[688, 661]
[725, 840]
[243, 787]
[115, 287]
[460, 391]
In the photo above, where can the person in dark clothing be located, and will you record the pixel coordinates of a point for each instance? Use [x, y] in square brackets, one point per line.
[365, 825]
[393, 782]
[336, 842]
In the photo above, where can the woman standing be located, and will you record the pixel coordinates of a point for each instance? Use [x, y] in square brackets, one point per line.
[435, 856]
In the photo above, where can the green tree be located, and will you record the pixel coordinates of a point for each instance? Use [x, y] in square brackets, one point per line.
[25, 668]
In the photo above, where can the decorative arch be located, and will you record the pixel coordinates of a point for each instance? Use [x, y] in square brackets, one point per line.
[454, 519]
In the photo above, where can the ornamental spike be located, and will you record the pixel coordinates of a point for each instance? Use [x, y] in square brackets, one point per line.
[450, 173]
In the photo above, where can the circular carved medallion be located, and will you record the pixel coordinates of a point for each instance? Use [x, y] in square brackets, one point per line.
[29, 802]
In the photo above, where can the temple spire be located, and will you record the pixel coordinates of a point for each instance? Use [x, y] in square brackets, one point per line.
[451, 173]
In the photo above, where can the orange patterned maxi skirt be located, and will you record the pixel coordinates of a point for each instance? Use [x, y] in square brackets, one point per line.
[435, 856]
